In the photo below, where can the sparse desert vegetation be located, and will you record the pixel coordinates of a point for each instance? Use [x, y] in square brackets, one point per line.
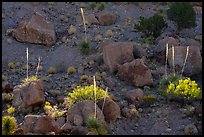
[102, 68]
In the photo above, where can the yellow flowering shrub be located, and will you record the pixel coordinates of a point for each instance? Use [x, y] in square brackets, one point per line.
[29, 79]
[53, 111]
[85, 93]
[10, 110]
[185, 87]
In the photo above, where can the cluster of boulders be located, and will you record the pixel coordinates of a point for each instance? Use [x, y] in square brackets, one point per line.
[108, 110]
[38, 30]
[118, 56]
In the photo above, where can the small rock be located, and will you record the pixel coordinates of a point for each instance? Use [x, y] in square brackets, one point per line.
[126, 112]
[168, 130]
[6, 87]
[106, 18]
[78, 120]
[60, 99]
[198, 110]
[79, 130]
[191, 130]
[134, 96]
[61, 121]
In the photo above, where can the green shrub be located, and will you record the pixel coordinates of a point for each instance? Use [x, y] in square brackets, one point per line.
[86, 93]
[101, 6]
[53, 111]
[151, 26]
[183, 14]
[97, 5]
[95, 126]
[92, 5]
[164, 82]
[85, 47]
[8, 125]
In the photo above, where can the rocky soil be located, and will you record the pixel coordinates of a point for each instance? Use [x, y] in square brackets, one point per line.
[61, 50]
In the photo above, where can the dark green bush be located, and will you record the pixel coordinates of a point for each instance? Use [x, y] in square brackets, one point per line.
[183, 14]
[85, 47]
[151, 26]
[95, 126]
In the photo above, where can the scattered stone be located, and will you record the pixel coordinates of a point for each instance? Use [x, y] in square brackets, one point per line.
[198, 110]
[115, 53]
[106, 18]
[25, 96]
[135, 73]
[158, 128]
[39, 124]
[54, 92]
[79, 130]
[78, 120]
[110, 82]
[9, 32]
[126, 112]
[111, 110]
[91, 19]
[194, 61]
[61, 121]
[134, 96]
[7, 87]
[191, 130]
[60, 99]
[84, 109]
[198, 38]
[36, 30]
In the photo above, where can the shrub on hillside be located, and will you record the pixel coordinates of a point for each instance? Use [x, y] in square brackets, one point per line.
[183, 14]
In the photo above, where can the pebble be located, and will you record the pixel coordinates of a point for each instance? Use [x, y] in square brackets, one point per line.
[168, 130]
[136, 125]
[140, 110]
[190, 130]
[132, 130]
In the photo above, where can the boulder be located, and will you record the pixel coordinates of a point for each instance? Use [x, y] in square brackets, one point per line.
[135, 73]
[134, 96]
[111, 109]
[106, 18]
[91, 19]
[161, 46]
[79, 112]
[193, 63]
[115, 53]
[41, 124]
[26, 96]
[36, 30]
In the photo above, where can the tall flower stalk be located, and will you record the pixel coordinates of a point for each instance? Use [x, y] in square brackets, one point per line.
[95, 93]
[38, 67]
[27, 60]
[166, 60]
[82, 13]
[187, 51]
